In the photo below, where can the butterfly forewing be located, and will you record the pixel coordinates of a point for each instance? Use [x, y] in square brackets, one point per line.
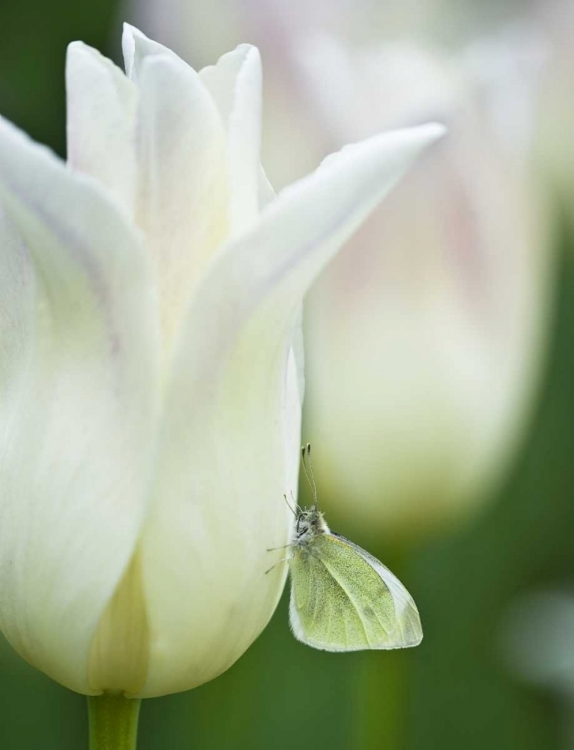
[343, 599]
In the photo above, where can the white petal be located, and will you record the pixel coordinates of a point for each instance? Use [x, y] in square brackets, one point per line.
[227, 452]
[183, 180]
[265, 190]
[292, 412]
[137, 47]
[101, 104]
[16, 303]
[77, 408]
[235, 84]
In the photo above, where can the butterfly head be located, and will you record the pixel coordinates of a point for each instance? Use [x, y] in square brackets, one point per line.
[310, 523]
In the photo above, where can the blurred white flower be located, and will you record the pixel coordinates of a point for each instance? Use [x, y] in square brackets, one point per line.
[555, 106]
[427, 333]
[203, 29]
[149, 294]
[506, 71]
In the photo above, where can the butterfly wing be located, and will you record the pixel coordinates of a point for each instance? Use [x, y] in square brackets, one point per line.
[343, 599]
[406, 611]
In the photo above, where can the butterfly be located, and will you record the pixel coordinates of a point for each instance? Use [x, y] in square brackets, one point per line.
[343, 598]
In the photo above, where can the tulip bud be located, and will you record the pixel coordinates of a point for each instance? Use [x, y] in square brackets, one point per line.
[425, 337]
[150, 301]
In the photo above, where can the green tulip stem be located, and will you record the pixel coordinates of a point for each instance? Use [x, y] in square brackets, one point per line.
[113, 722]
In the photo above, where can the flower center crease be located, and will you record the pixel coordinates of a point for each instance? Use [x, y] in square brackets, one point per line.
[119, 655]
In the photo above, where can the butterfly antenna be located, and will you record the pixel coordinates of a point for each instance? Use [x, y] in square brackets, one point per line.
[308, 468]
[295, 505]
[291, 507]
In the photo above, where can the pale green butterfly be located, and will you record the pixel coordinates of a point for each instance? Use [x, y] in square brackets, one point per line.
[342, 598]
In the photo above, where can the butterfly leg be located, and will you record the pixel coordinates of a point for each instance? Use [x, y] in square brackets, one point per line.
[285, 559]
[274, 549]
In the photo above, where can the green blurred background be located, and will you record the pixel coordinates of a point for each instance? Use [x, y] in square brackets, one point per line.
[460, 688]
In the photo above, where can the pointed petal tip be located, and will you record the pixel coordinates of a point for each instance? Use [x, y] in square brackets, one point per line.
[75, 45]
[129, 29]
[128, 48]
[77, 48]
[432, 130]
[403, 144]
[250, 54]
[247, 49]
[235, 58]
[129, 36]
[418, 136]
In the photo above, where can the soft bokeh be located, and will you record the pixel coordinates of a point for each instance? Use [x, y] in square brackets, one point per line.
[556, 102]
[429, 331]
[460, 688]
[538, 642]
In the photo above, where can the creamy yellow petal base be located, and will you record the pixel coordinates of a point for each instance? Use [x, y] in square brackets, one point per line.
[119, 655]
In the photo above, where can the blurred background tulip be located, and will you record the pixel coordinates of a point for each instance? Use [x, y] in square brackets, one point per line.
[556, 102]
[440, 365]
[428, 333]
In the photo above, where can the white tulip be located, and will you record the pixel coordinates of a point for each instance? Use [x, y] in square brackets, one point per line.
[151, 407]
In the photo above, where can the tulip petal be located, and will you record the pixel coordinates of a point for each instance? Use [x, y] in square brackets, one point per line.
[265, 192]
[235, 84]
[17, 302]
[183, 200]
[137, 47]
[227, 453]
[101, 120]
[77, 408]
